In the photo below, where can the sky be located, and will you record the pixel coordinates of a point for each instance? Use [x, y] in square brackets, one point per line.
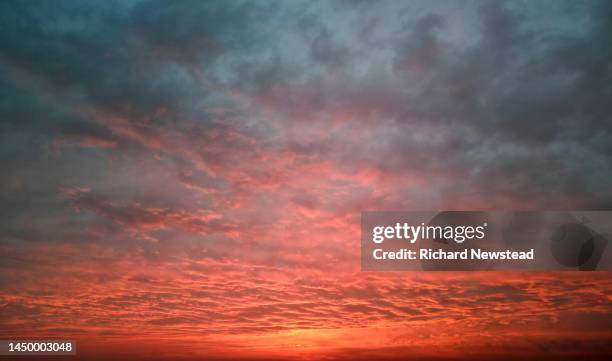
[184, 180]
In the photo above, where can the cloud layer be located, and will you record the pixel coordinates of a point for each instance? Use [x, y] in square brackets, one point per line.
[191, 174]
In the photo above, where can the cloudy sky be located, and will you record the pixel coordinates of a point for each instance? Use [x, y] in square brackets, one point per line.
[185, 179]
